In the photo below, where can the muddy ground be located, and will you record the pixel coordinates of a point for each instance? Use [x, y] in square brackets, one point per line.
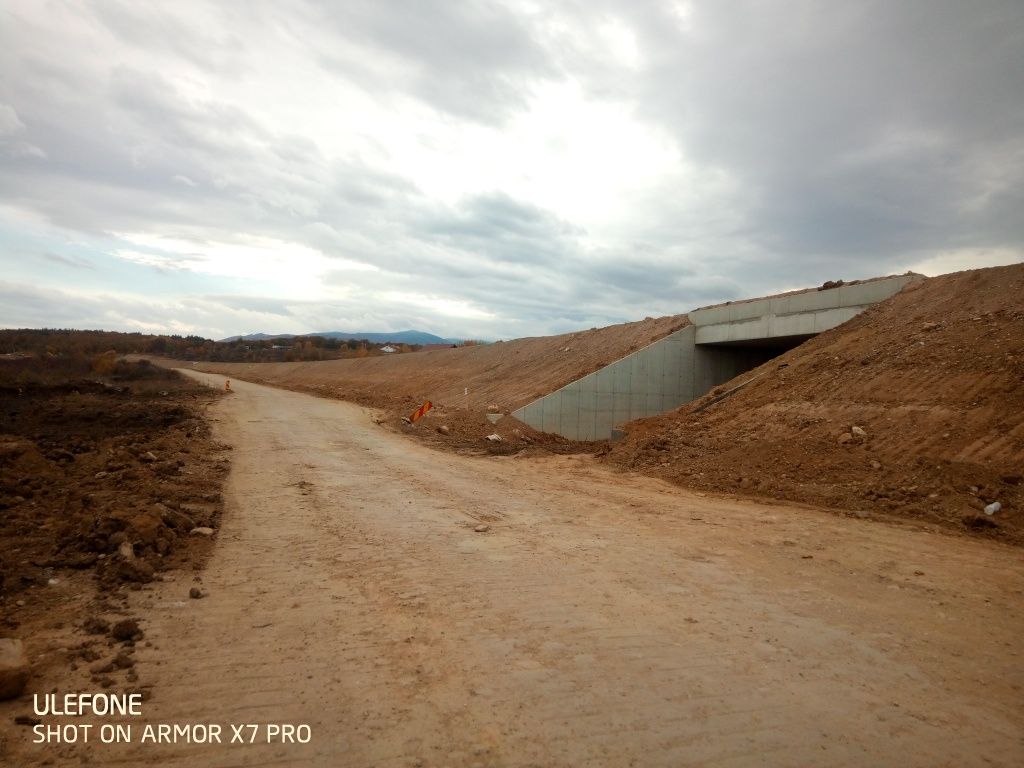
[103, 479]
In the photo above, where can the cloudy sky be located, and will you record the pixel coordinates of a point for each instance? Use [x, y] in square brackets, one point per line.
[492, 169]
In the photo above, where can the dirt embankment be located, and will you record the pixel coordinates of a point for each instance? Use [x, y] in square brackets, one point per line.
[508, 374]
[102, 485]
[500, 377]
[914, 408]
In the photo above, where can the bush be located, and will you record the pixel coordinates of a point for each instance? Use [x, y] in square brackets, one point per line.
[141, 370]
[105, 363]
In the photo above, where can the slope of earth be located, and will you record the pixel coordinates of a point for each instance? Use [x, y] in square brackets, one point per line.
[913, 408]
[507, 374]
[500, 377]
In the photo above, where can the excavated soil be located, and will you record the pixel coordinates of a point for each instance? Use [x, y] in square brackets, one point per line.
[101, 485]
[914, 408]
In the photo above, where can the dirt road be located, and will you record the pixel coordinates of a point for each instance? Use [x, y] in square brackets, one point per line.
[603, 619]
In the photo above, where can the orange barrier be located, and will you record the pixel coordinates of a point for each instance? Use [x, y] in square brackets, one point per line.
[418, 413]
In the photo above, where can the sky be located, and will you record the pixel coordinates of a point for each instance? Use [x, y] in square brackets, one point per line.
[492, 169]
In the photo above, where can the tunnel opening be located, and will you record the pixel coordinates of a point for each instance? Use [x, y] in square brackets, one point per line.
[721, 362]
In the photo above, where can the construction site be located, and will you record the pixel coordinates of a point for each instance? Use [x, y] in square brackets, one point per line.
[780, 531]
[511, 384]
[900, 394]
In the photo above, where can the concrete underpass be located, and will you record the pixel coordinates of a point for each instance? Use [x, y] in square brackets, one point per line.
[720, 343]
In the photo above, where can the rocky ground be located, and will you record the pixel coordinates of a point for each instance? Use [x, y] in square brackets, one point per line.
[107, 482]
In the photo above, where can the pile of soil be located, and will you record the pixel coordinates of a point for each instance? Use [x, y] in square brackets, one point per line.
[914, 408]
[474, 434]
[101, 486]
[85, 467]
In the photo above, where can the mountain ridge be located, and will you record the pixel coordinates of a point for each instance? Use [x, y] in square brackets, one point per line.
[398, 337]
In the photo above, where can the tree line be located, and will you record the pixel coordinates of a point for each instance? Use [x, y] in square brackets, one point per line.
[90, 343]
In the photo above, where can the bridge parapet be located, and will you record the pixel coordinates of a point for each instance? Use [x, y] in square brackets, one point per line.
[798, 314]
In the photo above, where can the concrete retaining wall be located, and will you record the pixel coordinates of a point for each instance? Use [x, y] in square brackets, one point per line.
[718, 345]
[647, 382]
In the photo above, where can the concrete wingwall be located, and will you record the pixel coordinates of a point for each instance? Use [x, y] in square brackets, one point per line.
[647, 382]
[658, 378]
[719, 344]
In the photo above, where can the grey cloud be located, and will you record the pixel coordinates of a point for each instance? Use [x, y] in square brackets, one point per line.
[120, 152]
[10, 123]
[152, 27]
[10, 128]
[497, 226]
[67, 261]
[28, 306]
[261, 304]
[854, 130]
[476, 60]
[517, 244]
[155, 102]
[520, 261]
[356, 184]
[24, 306]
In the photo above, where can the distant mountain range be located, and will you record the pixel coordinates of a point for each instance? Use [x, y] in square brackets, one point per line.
[398, 337]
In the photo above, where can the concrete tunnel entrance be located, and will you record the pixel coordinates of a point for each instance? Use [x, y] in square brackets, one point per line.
[719, 344]
[722, 362]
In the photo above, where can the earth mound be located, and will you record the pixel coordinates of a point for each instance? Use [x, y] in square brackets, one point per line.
[914, 408]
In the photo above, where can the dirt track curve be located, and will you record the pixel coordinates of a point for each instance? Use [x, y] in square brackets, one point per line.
[603, 619]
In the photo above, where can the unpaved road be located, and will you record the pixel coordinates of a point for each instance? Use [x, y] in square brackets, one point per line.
[603, 620]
